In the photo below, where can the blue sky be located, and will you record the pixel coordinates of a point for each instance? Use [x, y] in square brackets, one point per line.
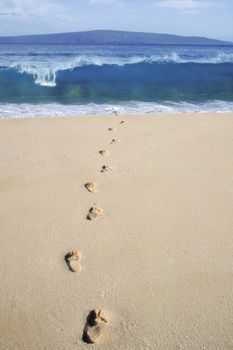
[212, 18]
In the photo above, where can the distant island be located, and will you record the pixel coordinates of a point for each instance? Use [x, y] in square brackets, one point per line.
[111, 37]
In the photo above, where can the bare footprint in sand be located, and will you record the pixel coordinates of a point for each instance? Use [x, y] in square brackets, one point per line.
[115, 141]
[94, 213]
[72, 259]
[112, 129]
[106, 168]
[94, 327]
[104, 152]
[91, 186]
[123, 122]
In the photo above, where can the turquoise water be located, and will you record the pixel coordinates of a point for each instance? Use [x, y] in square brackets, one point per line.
[61, 80]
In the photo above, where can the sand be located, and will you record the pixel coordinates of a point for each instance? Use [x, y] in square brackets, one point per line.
[158, 260]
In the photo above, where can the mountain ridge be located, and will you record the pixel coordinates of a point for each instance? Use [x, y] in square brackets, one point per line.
[111, 37]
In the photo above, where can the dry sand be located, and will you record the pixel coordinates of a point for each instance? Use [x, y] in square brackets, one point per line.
[159, 260]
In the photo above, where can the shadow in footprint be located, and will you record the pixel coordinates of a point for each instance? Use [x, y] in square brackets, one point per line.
[94, 327]
[94, 213]
[106, 168]
[104, 152]
[115, 141]
[91, 186]
[72, 258]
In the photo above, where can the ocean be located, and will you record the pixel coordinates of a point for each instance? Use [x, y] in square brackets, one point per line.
[61, 80]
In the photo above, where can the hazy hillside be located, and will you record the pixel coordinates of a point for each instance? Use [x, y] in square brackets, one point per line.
[111, 37]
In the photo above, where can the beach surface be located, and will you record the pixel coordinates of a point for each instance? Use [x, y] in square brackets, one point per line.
[159, 261]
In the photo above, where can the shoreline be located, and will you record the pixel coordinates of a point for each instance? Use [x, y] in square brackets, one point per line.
[119, 115]
[158, 260]
[11, 110]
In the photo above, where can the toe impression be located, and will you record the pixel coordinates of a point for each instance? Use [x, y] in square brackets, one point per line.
[95, 325]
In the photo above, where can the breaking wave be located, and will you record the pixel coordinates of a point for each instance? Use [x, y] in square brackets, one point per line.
[45, 71]
[46, 80]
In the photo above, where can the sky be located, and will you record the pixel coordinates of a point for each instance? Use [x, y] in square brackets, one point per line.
[210, 18]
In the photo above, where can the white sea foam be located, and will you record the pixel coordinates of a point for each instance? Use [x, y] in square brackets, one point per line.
[43, 76]
[44, 69]
[59, 110]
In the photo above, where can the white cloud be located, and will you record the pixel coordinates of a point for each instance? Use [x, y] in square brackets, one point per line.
[102, 1]
[37, 8]
[20, 17]
[32, 12]
[107, 2]
[187, 6]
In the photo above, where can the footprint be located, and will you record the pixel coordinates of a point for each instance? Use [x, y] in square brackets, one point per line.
[123, 122]
[104, 152]
[91, 186]
[94, 213]
[106, 168]
[112, 129]
[94, 327]
[72, 259]
[115, 141]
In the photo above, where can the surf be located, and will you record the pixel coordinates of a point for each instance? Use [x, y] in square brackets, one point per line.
[45, 68]
[28, 110]
[142, 81]
[35, 79]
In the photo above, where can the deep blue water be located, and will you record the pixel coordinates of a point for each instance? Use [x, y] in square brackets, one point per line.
[42, 79]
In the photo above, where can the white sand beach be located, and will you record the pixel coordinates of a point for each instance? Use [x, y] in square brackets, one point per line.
[158, 260]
